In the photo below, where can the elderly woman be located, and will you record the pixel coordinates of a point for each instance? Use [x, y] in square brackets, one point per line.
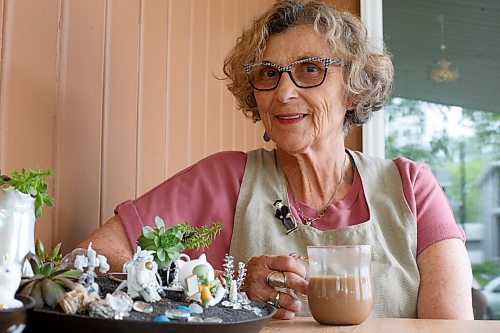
[307, 71]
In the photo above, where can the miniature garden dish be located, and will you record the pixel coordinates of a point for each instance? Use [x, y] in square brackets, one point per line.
[14, 319]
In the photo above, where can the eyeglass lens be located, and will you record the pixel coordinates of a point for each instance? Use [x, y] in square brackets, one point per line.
[305, 74]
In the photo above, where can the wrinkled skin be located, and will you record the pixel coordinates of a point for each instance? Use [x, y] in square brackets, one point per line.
[257, 288]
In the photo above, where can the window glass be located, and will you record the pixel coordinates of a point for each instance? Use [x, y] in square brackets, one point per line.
[444, 112]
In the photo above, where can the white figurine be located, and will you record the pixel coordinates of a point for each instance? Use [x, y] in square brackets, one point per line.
[10, 278]
[142, 278]
[92, 261]
[185, 268]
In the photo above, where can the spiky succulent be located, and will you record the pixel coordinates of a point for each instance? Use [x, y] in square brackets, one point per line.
[49, 282]
[167, 244]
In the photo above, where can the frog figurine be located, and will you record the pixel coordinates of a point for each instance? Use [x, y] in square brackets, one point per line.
[185, 268]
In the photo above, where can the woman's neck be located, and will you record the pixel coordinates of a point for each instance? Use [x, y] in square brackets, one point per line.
[317, 179]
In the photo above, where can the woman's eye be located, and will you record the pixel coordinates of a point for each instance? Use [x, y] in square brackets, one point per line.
[268, 72]
[311, 68]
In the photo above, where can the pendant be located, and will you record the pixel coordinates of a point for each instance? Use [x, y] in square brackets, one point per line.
[309, 221]
[285, 216]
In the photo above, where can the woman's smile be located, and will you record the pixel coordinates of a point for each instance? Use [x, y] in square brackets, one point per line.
[287, 119]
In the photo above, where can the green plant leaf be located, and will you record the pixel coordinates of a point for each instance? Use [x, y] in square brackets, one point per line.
[157, 241]
[26, 287]
[148, 232]
[47, 268]
[55, 252]
[67, 274]
[36, 293]
[40, 250]
[161, 254]
[64, 282]
[52, 292]
[159, 222]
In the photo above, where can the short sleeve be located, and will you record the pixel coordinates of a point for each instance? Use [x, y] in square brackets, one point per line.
[429, 204]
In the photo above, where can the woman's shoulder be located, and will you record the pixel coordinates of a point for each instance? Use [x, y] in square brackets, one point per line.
[225, 161]
[414, 172]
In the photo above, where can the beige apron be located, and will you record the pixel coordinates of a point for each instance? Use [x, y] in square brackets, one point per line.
[391, 229]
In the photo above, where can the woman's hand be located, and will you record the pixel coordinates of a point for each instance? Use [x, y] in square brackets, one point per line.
[257, 288]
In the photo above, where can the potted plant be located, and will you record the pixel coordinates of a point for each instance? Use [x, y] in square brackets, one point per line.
[22, 196]
[50, 281]
[168, 243]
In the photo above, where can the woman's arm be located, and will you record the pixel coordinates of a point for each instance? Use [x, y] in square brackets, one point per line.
[445, 281]
[111, 241]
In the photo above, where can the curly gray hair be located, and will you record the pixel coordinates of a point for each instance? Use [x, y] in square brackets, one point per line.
[367, 72]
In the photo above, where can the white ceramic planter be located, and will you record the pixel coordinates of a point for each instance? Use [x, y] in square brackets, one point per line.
[17, 226]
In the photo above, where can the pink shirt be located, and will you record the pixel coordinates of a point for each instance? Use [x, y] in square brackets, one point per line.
[208, 191]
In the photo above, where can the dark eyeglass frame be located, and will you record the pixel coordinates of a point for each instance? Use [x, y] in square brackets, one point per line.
[288, 69]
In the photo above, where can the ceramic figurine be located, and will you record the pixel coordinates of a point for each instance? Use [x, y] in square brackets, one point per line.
[142, 277]
[10, 278]
[91, 261]
[285, 216]
[185, 268]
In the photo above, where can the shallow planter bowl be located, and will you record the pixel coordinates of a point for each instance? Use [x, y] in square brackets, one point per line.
[14, 319]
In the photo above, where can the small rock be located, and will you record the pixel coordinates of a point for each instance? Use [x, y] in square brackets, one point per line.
[196, 308]
[143, 307]
[161, 319]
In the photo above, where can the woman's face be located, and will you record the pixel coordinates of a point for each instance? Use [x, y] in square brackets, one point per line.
[302, 119]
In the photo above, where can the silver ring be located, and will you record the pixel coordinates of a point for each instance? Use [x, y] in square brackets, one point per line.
[276, 279]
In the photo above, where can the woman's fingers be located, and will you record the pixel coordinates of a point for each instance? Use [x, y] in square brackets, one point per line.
[290, 270]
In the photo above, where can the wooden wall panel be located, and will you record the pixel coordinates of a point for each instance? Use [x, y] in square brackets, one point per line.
[79, 117]
[152, 109]
[119, 150]
[27, 92]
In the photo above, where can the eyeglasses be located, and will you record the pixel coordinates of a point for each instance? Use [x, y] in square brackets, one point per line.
[305, 73]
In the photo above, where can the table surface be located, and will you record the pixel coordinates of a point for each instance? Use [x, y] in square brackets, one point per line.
[385, 325]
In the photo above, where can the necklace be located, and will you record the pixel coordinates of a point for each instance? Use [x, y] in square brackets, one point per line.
[310, 220]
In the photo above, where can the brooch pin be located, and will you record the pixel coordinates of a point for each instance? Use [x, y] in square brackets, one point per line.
[285, 216]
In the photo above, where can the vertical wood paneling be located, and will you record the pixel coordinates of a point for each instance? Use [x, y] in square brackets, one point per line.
[152, 97]
[215, 54]
[28, 91]
[79, 120]
[227, 113]
[125, 99]
[199, 78]
[178, 79]
[120, 104]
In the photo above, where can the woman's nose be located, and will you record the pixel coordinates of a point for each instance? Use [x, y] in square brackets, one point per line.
[286, 89]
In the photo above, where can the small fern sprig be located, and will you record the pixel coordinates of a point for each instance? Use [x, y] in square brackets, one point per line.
[199, 237]
[31, 182]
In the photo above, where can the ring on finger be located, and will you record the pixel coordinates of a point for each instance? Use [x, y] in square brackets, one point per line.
[276, 279]
[276, 302]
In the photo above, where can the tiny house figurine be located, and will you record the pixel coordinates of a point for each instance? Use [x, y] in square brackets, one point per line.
[22, 196]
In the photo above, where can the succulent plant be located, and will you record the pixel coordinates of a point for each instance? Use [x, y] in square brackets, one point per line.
[49, 282]
[167, 244]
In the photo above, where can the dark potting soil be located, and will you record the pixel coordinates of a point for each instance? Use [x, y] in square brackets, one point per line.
[171, 301]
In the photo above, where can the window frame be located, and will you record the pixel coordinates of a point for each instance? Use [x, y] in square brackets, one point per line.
[373, 137]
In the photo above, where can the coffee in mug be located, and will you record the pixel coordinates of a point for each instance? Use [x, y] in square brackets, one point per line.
[339, 291]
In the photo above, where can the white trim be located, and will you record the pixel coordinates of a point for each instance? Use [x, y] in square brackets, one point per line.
[373, 132]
